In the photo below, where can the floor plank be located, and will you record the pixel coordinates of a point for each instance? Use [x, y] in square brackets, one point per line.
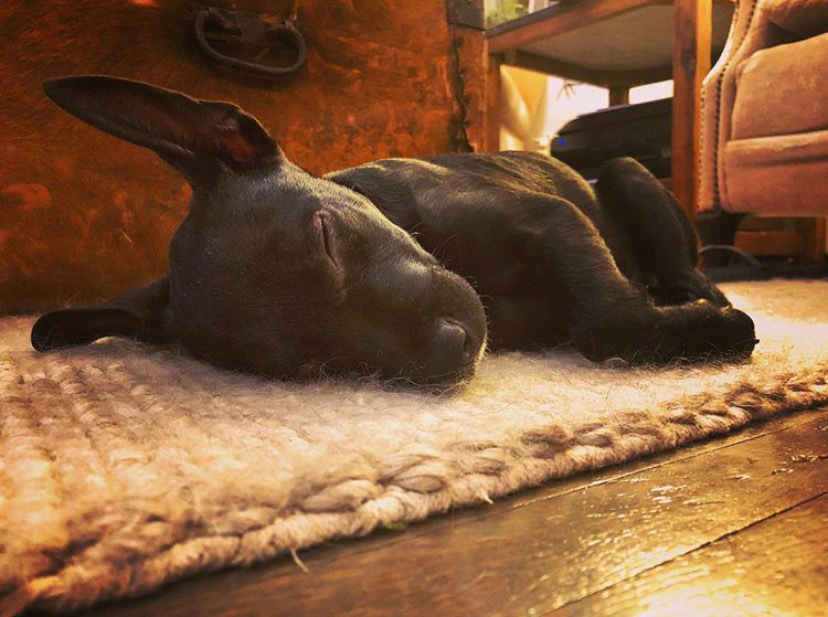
[536, 553]
[775, 567]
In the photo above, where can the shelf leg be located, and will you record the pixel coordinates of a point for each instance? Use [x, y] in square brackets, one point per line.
[493, 102]
[691, 62]
[619, 95]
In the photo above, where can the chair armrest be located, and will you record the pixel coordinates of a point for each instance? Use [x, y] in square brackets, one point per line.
[802, 18]
[750, 31]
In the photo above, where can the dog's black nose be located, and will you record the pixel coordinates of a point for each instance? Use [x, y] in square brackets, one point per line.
[454, 343]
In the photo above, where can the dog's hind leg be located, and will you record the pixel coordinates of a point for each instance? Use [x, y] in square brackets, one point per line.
[608, 315]
[662, 238]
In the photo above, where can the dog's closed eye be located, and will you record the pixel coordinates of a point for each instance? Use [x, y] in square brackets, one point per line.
[326, 237]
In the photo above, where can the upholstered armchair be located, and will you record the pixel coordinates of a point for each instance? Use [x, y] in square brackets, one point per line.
[764, 113]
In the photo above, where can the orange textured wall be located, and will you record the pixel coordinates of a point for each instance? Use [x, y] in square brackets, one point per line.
[84, 216]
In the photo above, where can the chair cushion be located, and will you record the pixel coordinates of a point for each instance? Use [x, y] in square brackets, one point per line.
[802, 17]
[781, 90]
[777, 176]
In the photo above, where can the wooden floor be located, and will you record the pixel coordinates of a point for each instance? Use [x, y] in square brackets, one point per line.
[732, 526]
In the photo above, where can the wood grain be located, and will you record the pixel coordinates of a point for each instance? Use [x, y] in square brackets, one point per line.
[535, 554]
[775, 567]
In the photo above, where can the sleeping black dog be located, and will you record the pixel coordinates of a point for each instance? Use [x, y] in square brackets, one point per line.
[386, 268]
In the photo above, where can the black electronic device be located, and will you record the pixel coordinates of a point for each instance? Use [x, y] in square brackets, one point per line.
[641, 131]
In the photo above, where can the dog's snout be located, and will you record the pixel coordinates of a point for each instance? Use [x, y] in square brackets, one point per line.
[454, 342]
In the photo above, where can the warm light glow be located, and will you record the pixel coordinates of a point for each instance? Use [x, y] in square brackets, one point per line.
[651, 92]
[144, 2]
[704, 600]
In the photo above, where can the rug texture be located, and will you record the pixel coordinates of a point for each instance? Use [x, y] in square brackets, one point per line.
[123, 467]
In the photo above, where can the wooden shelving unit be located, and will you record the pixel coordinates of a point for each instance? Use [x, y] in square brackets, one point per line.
[619, 44]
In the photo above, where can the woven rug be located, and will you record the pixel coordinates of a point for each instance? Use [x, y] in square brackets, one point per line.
[124, 467]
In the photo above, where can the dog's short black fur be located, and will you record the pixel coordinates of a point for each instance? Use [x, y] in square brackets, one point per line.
[385, 268]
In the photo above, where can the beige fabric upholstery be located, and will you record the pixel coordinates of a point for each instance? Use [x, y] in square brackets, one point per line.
[768, 90]
[801, 17]
[779, 176]
[782, 90]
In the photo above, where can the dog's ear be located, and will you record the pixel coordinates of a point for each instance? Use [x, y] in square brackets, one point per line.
[142, 314]
[197, 137]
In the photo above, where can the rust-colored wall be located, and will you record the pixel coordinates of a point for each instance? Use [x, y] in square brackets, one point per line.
[84, 216]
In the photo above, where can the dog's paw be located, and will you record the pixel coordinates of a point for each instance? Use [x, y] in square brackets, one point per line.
[733, 334]
[702, 331]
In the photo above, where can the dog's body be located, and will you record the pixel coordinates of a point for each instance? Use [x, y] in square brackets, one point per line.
[533, 237]
[278, 272]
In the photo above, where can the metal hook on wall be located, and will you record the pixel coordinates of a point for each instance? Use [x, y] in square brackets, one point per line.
[242, 40]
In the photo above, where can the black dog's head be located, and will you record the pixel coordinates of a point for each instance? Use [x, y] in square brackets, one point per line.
[273, 271]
